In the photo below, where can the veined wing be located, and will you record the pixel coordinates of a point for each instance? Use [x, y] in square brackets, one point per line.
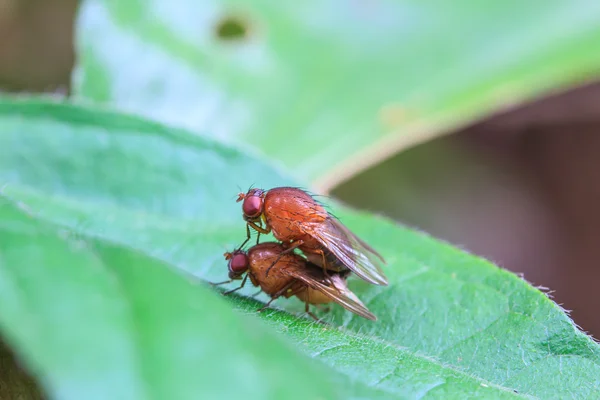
[337, 290]
[353, 252]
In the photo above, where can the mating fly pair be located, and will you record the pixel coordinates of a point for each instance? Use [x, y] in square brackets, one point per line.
[332, 251]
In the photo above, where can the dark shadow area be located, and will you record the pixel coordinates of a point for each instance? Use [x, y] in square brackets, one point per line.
[15, 383]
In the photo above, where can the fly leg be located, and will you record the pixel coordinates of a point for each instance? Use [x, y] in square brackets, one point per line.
[322, 253]
[307, 307]
[276, 295]
[248, 236]
[266, 305]
[221, 283]
[325, 270]
[325, 263]
[259, 232]
[294, 245]
[257, 228]
[238, 288]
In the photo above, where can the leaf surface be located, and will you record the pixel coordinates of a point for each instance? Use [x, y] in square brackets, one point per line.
[450, 324]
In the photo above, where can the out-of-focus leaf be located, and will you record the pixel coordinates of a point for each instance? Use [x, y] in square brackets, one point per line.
[328, 88]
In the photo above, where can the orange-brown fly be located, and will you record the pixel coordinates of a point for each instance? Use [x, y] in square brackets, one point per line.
[299, 221]
[291, 275]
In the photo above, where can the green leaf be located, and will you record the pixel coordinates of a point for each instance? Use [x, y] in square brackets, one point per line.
[348, 84]
[138, 329]
[451, 325]
[100, 321]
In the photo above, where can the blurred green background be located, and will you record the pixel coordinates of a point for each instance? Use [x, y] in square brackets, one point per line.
[521, 188]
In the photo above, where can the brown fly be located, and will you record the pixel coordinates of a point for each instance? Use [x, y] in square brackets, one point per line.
[292, 275]
[299, 221]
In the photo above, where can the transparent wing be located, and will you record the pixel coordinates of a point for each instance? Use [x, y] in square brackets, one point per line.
[337, 290]
[354, 253]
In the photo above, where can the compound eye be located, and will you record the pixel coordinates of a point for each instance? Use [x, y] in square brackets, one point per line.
[238, 264]
[252, 206]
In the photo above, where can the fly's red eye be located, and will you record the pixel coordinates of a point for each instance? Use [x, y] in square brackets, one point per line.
[238, 264]
[252, 206]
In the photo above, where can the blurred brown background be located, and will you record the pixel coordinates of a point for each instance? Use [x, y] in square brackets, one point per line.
[521, 188]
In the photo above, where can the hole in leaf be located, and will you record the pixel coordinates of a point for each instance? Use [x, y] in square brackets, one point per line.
[232, 28]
